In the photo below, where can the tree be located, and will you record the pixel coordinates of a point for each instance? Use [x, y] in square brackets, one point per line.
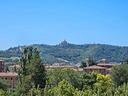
[64, 89]
[32, 72]
[88, 80]
[39, 73]
[103, 83]
[83, 64]
[122, 90]
[3, 93]
[57, 75]
[3, 84]
[15, 69]
[24, 74]
[35, 92]
[7, 68]
[90, 61]
[120, 74]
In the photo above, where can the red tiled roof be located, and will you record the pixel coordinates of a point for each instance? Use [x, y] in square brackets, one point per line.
[8, 74]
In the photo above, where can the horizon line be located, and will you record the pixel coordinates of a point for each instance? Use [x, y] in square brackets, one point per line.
[61, 42]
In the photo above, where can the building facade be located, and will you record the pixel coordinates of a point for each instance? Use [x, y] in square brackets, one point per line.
[103, 68]
[10, 77]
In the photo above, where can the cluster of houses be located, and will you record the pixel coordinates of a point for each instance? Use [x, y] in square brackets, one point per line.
[103, 67]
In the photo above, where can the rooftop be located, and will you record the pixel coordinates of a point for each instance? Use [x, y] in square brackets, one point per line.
[8, 74]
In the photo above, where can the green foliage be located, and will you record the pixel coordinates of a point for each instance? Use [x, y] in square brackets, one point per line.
[73, 53]
[3, 84]
[38, 74]
[120, 74]
[90, 61]
[83, 64]
[57, 75]
[32, 72]
[78, 80]
[66, 82]
[3, 93]
[103, 83]
[98, 85]
[35, 92]
[122, 90]
[63, 89]
[88, 80]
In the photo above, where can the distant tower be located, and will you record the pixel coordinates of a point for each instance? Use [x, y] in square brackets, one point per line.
[64, 44]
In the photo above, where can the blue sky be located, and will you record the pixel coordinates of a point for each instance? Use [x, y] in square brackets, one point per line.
[51, 21]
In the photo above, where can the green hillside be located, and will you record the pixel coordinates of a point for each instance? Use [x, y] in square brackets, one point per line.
[66, 52]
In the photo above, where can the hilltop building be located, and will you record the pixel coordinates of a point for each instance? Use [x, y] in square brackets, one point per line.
[64, 44]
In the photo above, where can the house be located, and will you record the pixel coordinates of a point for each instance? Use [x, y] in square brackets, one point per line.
[11, 77]
[107, 65]
[102, 67]
[95, 68]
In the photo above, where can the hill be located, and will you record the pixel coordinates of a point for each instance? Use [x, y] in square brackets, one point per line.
[72, 53]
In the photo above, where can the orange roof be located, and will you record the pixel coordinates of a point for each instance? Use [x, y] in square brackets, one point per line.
[8, 74]
[95, 67]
